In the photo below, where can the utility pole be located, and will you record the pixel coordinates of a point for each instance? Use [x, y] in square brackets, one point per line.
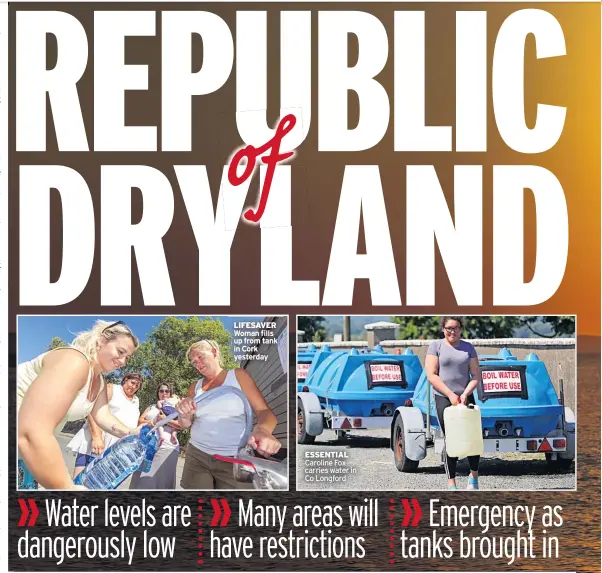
[346, 328]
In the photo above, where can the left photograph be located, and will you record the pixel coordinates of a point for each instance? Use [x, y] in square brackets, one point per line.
[152, 402]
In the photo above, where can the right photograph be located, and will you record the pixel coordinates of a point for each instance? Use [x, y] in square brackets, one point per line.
[394, 403]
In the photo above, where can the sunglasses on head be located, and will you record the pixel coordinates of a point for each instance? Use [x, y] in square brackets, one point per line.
[116, 324]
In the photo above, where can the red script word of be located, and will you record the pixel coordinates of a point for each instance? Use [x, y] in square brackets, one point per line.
[251, 153]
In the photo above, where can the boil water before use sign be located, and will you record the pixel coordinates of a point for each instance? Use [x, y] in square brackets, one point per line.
[385, 373]
[501, 381]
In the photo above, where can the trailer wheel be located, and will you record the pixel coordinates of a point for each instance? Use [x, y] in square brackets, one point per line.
[559, 463]
[302, 436]
[402, 463]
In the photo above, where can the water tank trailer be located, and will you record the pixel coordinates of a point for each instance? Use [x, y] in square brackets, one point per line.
[520, 412]
[354, 390]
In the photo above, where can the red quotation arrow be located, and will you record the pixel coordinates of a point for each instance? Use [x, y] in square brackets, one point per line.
[417, 512]
[217, 511]
[25, 512]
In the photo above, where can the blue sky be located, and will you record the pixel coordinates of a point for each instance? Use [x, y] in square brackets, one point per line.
[35, 332]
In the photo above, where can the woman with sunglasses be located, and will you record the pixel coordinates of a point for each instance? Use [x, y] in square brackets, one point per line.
[64, 385]
[162, 474]
[91, 441]
[217, 426]
[452, 367]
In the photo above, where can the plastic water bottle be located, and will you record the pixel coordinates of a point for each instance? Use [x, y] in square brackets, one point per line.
[120, 461]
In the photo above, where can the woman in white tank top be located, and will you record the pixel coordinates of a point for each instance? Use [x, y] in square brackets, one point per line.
[91, 441]
[63, 385]
[218, 425]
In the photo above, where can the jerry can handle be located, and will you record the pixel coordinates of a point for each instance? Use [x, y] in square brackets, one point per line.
[234, 460]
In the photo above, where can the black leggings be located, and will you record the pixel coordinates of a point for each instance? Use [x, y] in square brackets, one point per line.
[441, 402]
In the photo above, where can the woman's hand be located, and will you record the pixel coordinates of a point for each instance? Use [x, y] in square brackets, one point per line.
[136, 431]
[186, 409]
[463, 399]
[98, 446]
[453, 398]
[264, 442]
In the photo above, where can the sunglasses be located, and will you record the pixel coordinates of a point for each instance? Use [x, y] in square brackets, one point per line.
[164, 391]
[116, 324]
[452, 328]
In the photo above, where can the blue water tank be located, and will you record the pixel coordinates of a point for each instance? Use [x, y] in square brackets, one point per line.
[517, 398]
[363, 383]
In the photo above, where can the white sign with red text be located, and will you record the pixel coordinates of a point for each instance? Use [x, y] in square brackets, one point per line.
[385, 372]
[302, 370]
[502, 381]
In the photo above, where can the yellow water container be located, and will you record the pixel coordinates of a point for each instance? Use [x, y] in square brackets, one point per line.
[463, 431]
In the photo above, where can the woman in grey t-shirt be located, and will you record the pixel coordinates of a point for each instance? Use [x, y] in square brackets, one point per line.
[449, 365]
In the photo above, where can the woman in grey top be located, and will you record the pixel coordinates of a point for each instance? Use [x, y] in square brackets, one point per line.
[450, 364]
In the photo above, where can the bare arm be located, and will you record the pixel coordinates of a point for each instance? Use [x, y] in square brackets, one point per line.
[95, 430]
[431, 365]
[45, 404]
[475, 372]
[142, 418]
[98, 444]
[103, 417]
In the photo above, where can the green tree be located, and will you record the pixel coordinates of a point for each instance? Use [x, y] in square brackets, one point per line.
[417, 327]
[312, 328]
[162, 356]
[560, 325]
[56, 342]
[491, 326]
[426, 327]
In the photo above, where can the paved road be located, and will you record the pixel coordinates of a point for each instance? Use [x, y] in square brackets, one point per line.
[69, 458]
[369, 456]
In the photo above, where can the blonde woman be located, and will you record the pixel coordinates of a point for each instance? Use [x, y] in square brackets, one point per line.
[218, 425]
[66, 384]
